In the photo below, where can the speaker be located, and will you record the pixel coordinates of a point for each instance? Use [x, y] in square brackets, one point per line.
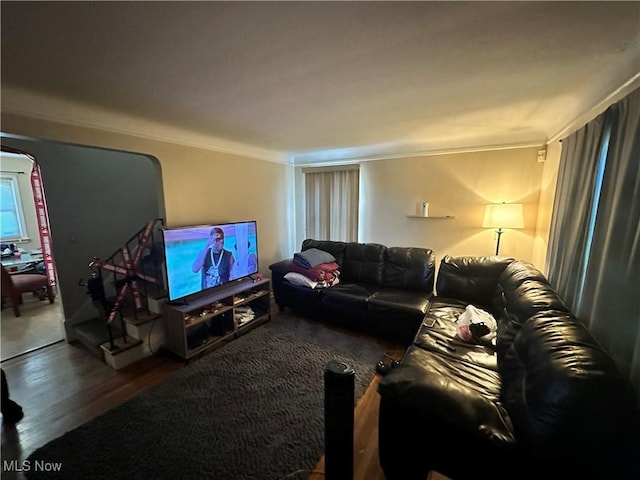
[339, 391]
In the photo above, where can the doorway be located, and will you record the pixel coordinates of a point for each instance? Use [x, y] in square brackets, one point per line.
[40, 323]
[95, 198]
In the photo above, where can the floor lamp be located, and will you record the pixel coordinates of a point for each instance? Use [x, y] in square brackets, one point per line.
[503, 215]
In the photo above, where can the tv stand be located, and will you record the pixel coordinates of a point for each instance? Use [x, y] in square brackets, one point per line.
[175, 303]
[211, 319]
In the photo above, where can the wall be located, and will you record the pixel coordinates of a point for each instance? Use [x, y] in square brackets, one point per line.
[545, 205]
[194, 186]
[455, 184]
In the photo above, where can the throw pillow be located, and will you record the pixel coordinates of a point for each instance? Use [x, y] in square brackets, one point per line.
[300, 280]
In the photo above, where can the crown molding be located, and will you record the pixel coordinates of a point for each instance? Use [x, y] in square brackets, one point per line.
[373, 153]
[44, 107]
[54, 109]
[588, 115]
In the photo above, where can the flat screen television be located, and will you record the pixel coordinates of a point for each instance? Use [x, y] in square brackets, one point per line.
[201, 257]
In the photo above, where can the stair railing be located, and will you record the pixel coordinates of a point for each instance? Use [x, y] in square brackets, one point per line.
[128, 280]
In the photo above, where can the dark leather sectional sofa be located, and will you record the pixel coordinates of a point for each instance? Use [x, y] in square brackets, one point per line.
[546, 402]
[383, 290]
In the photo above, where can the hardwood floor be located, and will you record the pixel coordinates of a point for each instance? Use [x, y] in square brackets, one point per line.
[365, 442]
[62, 386]
[39, 324]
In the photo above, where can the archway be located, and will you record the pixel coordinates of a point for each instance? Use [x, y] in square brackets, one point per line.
[27, 222]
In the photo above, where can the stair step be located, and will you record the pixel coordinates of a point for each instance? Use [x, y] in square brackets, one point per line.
[93, 333]
[120, 345]
[148, 290]
[141, 317]
[154, 300]
[124, 352]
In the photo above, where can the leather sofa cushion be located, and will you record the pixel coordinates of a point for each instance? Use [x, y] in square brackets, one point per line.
[531, 297]
[512, 277]
[409, 268]
[439, 387]
[302, 291]
[336, 249]
[445, 313]
[397, 299]
[549, 371]
[517, 272]
[363, 263]
[348, 295]
[473, 279]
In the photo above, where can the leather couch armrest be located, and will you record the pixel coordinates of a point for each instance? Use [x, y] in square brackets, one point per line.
[282, 267]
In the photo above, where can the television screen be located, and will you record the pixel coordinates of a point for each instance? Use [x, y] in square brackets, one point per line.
[206, 256]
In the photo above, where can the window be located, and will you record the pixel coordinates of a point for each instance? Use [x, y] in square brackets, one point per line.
[331, 203]
[593, 213]
[12, 224]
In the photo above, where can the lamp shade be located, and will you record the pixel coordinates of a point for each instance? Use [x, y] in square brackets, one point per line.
[503, 215]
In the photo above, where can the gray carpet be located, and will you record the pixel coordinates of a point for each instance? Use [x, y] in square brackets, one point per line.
[253, 409]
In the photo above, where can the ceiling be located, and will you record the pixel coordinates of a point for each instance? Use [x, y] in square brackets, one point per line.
[319, 81]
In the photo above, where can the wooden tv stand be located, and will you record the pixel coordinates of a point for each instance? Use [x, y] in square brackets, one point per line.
[209, 320]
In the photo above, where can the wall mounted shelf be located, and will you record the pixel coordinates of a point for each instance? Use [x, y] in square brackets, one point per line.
[437, 217]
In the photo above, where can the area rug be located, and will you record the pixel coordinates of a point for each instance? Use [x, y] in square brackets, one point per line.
[253, 409]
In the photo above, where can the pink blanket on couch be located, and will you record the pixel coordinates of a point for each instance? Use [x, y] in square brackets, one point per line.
[319, 273]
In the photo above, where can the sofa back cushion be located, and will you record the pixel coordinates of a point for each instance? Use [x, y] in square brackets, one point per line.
[471, 279]
[531, 297]
[523, 291]
[517, 272]
[334, 248]
[564, 393]
[512, 277]
[409, 268]
[363, 263]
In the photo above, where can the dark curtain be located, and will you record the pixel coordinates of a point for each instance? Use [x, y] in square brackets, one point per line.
[572, 207]
[609, 301]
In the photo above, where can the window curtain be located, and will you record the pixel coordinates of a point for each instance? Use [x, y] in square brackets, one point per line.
[331, 203]
[574, 198]
[609, 302]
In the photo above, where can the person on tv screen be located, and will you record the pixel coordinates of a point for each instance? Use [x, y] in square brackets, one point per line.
[247, 257]
[214, 261]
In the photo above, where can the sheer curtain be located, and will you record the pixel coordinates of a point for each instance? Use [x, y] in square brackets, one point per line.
[605, 259]
[331, 203]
